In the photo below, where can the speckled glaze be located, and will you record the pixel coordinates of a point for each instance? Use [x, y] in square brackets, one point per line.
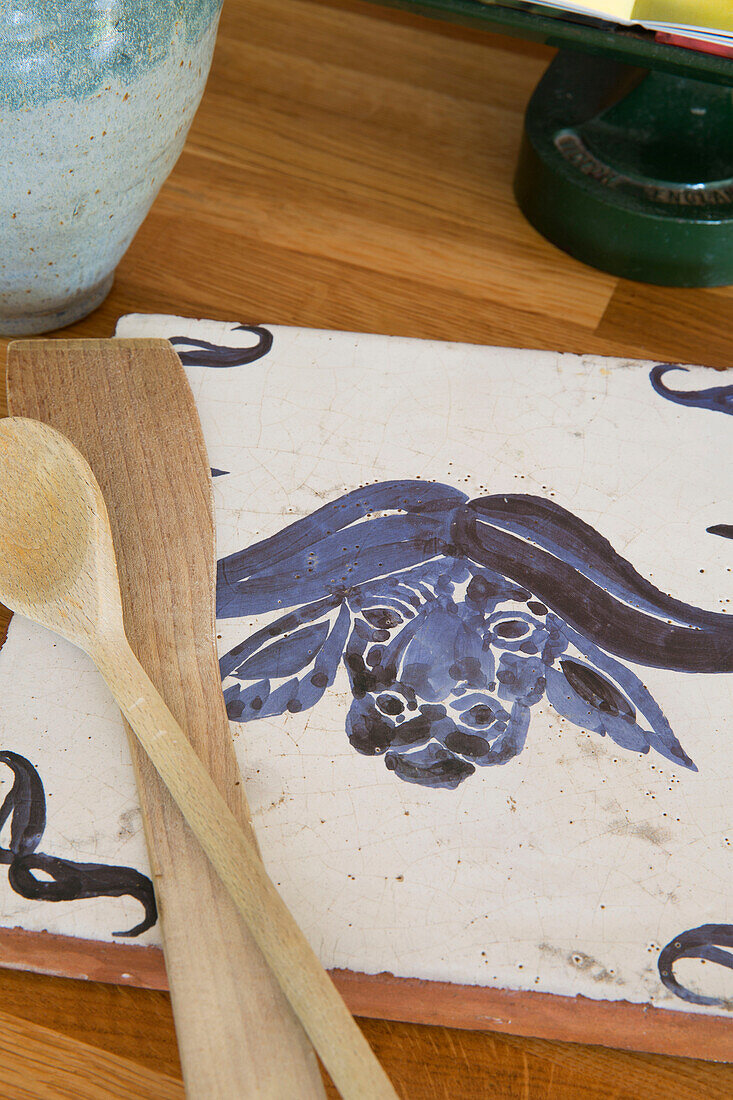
[96, 98]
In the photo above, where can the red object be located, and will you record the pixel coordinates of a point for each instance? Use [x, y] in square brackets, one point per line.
[689, 42]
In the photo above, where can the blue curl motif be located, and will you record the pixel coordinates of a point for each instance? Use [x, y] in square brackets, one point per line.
[708, 942]
[716, 398]
[194, 352]
[24, 809]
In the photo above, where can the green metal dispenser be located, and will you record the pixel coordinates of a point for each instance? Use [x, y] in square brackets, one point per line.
[627, 154]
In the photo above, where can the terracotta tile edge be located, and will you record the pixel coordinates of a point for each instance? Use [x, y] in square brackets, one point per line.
[579, 1019]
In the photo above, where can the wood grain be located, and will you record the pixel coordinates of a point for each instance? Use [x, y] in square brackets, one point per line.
[434, 113]
[134, 1023]
[133, 417]
[426, 1063]
[38, 1062]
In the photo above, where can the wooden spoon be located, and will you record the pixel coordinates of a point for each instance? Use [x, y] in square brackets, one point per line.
[128, 407]
[57, 566]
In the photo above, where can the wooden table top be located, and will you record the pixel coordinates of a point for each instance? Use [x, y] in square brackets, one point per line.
[351, 168]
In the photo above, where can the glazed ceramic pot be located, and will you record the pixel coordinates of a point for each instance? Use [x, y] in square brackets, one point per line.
[96, 98]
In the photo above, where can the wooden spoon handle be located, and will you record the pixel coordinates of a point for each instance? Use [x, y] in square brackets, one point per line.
[336, 1037]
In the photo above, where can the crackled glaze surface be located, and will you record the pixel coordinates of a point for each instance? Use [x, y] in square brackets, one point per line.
[96, 98]
[476, 646]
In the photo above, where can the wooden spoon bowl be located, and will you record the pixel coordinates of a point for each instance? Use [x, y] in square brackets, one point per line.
[57, 562]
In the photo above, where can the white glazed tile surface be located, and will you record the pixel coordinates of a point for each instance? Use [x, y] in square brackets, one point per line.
[564, 870]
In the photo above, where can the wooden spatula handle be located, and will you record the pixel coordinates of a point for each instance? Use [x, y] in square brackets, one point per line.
[336, 1037]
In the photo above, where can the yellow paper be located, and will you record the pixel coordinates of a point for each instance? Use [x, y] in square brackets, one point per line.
[716, 15]
[617, 9]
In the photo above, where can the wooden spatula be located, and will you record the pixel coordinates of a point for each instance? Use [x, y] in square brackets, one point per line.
[128, 408]
[58, 567]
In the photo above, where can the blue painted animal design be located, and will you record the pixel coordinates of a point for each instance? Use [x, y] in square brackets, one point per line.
[454, 618]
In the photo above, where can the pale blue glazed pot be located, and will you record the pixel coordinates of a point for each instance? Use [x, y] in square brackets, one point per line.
[96, 98]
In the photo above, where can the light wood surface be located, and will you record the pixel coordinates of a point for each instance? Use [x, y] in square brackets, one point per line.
[130, 411]
[55, 1065]
[58, 567]
[351, 167]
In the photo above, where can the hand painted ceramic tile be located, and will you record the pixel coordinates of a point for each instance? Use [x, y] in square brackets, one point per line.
[476, 646]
